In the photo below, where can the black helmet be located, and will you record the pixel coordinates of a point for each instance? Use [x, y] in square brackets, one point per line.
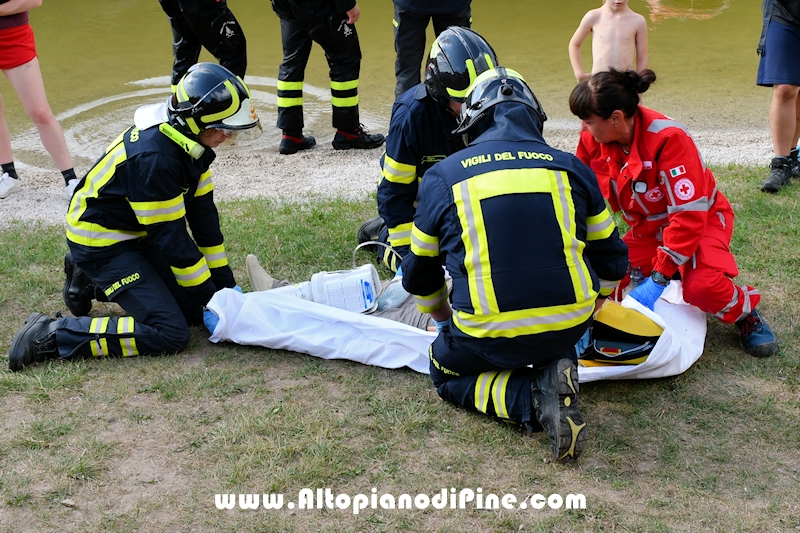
[496, 86]
[457, 57]
[211, 96]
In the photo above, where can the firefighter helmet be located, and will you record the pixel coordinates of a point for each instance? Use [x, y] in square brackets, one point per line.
[457, 57]
[208, 96]
[496, 86]
[620, 335]
[211, 96]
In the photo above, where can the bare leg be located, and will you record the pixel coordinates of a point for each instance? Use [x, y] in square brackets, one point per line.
[784, 118]
[27, 81]
[5, 138]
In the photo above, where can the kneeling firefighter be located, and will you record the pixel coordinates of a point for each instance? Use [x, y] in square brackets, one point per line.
[524, 232]
[127, 228]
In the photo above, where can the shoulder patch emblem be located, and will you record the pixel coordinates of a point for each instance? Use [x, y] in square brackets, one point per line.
[677, 171]
[653, 195]
[684, 188]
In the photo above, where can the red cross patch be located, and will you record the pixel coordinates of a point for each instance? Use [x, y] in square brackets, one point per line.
[684, 189]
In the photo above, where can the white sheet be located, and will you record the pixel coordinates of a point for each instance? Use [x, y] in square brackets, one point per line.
[283, 322]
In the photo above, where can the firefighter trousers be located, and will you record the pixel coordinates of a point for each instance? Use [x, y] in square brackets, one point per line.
[159, 310]
[299, 30]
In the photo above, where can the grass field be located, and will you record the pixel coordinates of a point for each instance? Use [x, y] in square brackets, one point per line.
[145, 444]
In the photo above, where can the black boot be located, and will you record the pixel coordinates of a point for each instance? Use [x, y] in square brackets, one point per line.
[78, 288]
[34, 343]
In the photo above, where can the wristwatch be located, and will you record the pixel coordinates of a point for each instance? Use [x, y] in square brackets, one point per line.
[659, 278]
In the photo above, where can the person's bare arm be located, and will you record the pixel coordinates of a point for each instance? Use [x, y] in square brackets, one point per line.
[584, 29]
[641, 44]
[12, 7]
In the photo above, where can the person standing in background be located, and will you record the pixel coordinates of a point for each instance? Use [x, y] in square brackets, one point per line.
[20, 64]
[411, 18]
[204, 23]
[331, 24]
[779, 68]
[619, 39]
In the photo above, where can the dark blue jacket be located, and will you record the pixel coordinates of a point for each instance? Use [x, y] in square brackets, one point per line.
[524, 232]
[419, 136]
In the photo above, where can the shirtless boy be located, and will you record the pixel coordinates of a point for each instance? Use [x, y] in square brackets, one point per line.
[619, 39]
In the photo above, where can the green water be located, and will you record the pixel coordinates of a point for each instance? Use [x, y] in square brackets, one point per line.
[95, 55]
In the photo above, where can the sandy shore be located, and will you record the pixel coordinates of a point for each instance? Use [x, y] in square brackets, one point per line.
[258, 170]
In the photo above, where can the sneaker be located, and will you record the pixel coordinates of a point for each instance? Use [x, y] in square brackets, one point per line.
[370, 230]
[9, 185]
[358, 139]
[757, 337]
[78, 290]
[780, 174]
[259, 279]
[34, 343]
[554, 392]
[292, 145]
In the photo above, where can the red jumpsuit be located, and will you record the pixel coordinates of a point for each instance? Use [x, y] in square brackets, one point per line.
[678, 218]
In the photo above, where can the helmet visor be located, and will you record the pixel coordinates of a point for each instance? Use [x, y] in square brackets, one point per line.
[243, 125]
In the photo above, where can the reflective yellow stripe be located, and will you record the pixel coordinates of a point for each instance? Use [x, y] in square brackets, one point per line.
[422, 244]
[487, 74]
[155, 212]
[400, 235]
[193, 275]
[511, 324]
[483, 386]
[125, 326]
[397, 172]
[469, 194]
[192, 125]
[215, 255]
[290, 85]
[99, 346]
[499, 393]
[599, 226]
[289, 102]
[350, 101]
[205, 185]
[90, 233]
[235, 103]
[344, 85]
[427, 304]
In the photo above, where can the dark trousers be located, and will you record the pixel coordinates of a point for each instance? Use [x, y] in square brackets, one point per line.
[209, 24]
[159, 310]
[463, 377]
[409, 41]
[299, 30]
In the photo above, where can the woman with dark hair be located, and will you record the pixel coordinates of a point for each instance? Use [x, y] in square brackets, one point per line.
[650, 170]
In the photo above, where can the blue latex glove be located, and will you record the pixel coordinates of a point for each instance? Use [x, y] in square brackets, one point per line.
[210, 319]
[440, 325]
[238, 289]
[399, 273]
[647, 293]
[583, 343]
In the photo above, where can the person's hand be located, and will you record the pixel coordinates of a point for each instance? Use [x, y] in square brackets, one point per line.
[353, 14]
[439, 325]
[238, 289]
[210, 319]
[647, 293]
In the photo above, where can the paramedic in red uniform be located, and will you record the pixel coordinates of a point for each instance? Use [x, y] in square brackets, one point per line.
[681, 225]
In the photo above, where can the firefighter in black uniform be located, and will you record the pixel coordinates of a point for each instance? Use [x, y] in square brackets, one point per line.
[204, 23]
[421, 134]
[524, 232]
[331, 24]
[127, 228]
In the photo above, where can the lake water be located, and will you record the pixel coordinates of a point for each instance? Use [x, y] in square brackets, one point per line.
[103, 58]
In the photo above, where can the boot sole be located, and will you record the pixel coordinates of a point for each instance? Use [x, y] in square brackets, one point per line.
[559, 414]
[16, 360]
[348, 146]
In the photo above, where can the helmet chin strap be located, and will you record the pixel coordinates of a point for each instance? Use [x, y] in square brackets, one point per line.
[193, 148]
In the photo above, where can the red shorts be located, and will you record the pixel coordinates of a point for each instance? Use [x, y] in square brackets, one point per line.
[17, 46]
